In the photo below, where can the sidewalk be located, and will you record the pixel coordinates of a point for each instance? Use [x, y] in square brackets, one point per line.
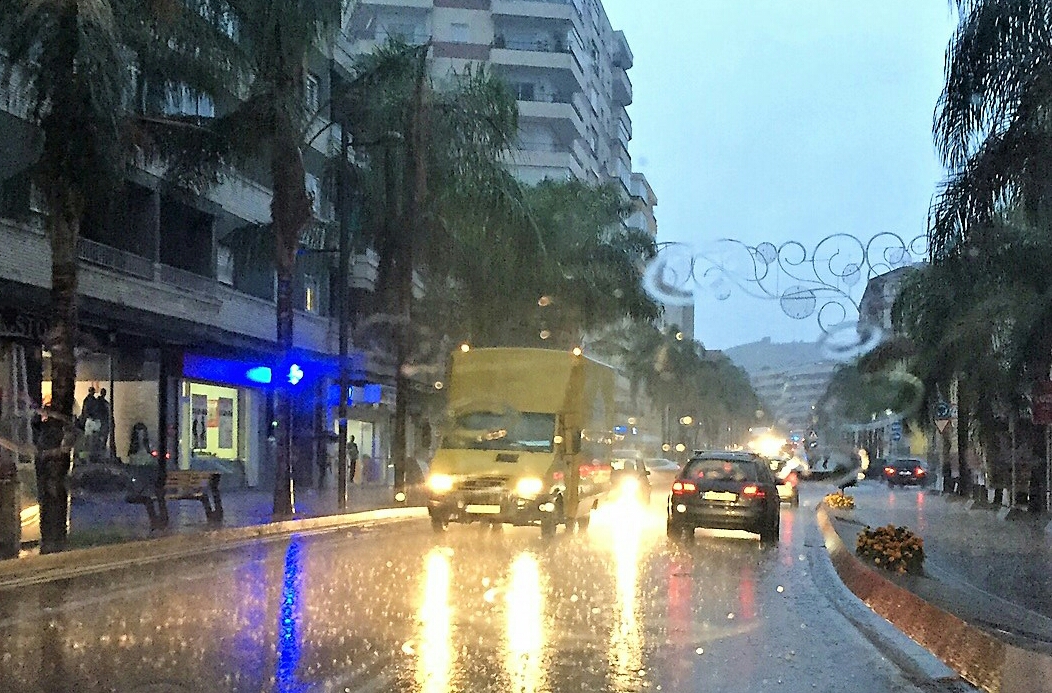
[101, 518]
[995, 574]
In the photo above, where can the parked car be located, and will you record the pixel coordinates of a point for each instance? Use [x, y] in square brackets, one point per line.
[725, 490]
[907, 471]
[629, 476]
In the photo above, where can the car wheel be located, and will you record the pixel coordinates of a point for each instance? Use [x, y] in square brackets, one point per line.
[769, 533]
[675, 530]
[439, 524]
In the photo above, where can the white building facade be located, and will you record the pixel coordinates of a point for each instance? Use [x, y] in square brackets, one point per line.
[566, 65]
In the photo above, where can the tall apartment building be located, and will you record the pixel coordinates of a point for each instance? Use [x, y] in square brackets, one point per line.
[565, 63]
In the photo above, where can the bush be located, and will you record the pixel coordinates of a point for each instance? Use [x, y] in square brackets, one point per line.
[893, 548]
[842, 502]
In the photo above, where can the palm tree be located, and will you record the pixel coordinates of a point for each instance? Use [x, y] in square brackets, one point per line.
[444, 166]
[269, 123]
[991, 125]
[75, 62]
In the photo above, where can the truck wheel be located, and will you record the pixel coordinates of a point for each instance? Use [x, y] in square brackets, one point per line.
[550, 521]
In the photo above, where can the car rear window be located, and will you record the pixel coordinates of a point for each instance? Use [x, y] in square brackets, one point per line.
[721, 470]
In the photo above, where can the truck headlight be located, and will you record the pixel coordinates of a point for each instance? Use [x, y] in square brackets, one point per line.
[529, 487]
[629, 484]
[440, 483]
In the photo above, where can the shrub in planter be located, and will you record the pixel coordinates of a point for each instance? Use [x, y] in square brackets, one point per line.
[893, 548]
[841, 502]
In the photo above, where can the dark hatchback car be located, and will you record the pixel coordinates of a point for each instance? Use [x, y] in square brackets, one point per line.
[725, 490]
[905, 472]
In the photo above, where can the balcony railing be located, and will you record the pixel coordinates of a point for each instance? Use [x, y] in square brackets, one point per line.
[188, 281]
[540, 45]
[113, 258]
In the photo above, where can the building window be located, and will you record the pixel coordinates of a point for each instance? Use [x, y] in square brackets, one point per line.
[225, 265]
[310, 294]
[310, 92]
[524, 91]
[458, 32]
[180, 99]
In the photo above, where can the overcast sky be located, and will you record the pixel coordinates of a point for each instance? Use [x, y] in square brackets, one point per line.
[780, 120]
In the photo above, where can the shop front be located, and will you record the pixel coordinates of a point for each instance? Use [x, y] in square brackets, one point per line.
[222, 413]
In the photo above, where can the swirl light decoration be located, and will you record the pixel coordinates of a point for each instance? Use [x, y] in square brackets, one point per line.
[824, 282]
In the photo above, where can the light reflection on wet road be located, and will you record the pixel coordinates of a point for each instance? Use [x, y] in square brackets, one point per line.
[396, 608]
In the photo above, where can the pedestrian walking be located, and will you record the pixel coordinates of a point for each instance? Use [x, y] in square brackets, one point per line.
[352, 459]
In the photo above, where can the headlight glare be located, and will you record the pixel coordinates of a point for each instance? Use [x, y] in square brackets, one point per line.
[529, 487]
[440, 483]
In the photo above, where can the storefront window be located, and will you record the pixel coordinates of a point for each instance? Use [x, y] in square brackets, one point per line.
[115, 405]
[213, 421]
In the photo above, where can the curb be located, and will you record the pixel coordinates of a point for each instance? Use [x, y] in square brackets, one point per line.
[978, 657]
[78, 562]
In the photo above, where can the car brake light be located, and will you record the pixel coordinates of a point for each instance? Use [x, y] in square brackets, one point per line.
[753, 491]
[889, 470]
[918, 471]
[683, 487]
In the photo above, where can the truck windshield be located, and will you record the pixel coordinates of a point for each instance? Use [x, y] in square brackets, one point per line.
[502, 431]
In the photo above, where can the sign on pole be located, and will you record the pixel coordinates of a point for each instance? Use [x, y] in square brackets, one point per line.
[941, 424]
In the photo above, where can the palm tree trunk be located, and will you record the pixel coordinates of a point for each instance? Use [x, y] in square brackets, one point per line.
[290, 212]
[56, 430]
[417, 183]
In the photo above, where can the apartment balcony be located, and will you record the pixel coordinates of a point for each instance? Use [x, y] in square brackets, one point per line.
[420, 4]
[559, 65]
[546, 161]
[623, 57]
[560, 114]
[622, 88]
[543, 9]
[134, 284]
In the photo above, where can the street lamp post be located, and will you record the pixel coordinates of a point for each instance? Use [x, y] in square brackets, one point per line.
[342, 200]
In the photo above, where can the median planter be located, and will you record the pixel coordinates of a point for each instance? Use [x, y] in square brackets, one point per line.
[896, 549]
[838, 501]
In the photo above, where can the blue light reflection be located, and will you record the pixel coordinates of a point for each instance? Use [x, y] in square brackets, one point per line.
[289, 618]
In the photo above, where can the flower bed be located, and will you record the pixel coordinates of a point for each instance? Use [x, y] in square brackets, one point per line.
[893, 548]
[836, 500]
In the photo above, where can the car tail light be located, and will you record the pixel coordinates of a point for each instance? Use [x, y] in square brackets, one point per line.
[889, 470]
[918, 471]
[753, 491]
[683, 487]
[792, 479]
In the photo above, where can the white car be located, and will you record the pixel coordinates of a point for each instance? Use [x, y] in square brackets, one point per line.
[663, 472]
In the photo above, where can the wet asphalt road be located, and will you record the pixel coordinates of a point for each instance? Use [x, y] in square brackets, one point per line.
[396, 608]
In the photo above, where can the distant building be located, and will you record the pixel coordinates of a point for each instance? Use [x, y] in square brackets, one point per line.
[879, 297]
[789, 378]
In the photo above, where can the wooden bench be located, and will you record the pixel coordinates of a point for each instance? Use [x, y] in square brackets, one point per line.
[181, 484]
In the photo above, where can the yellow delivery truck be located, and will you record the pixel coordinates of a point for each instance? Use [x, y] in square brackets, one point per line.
[526, 440]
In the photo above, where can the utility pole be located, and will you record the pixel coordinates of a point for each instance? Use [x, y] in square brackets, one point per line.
[343, 200]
